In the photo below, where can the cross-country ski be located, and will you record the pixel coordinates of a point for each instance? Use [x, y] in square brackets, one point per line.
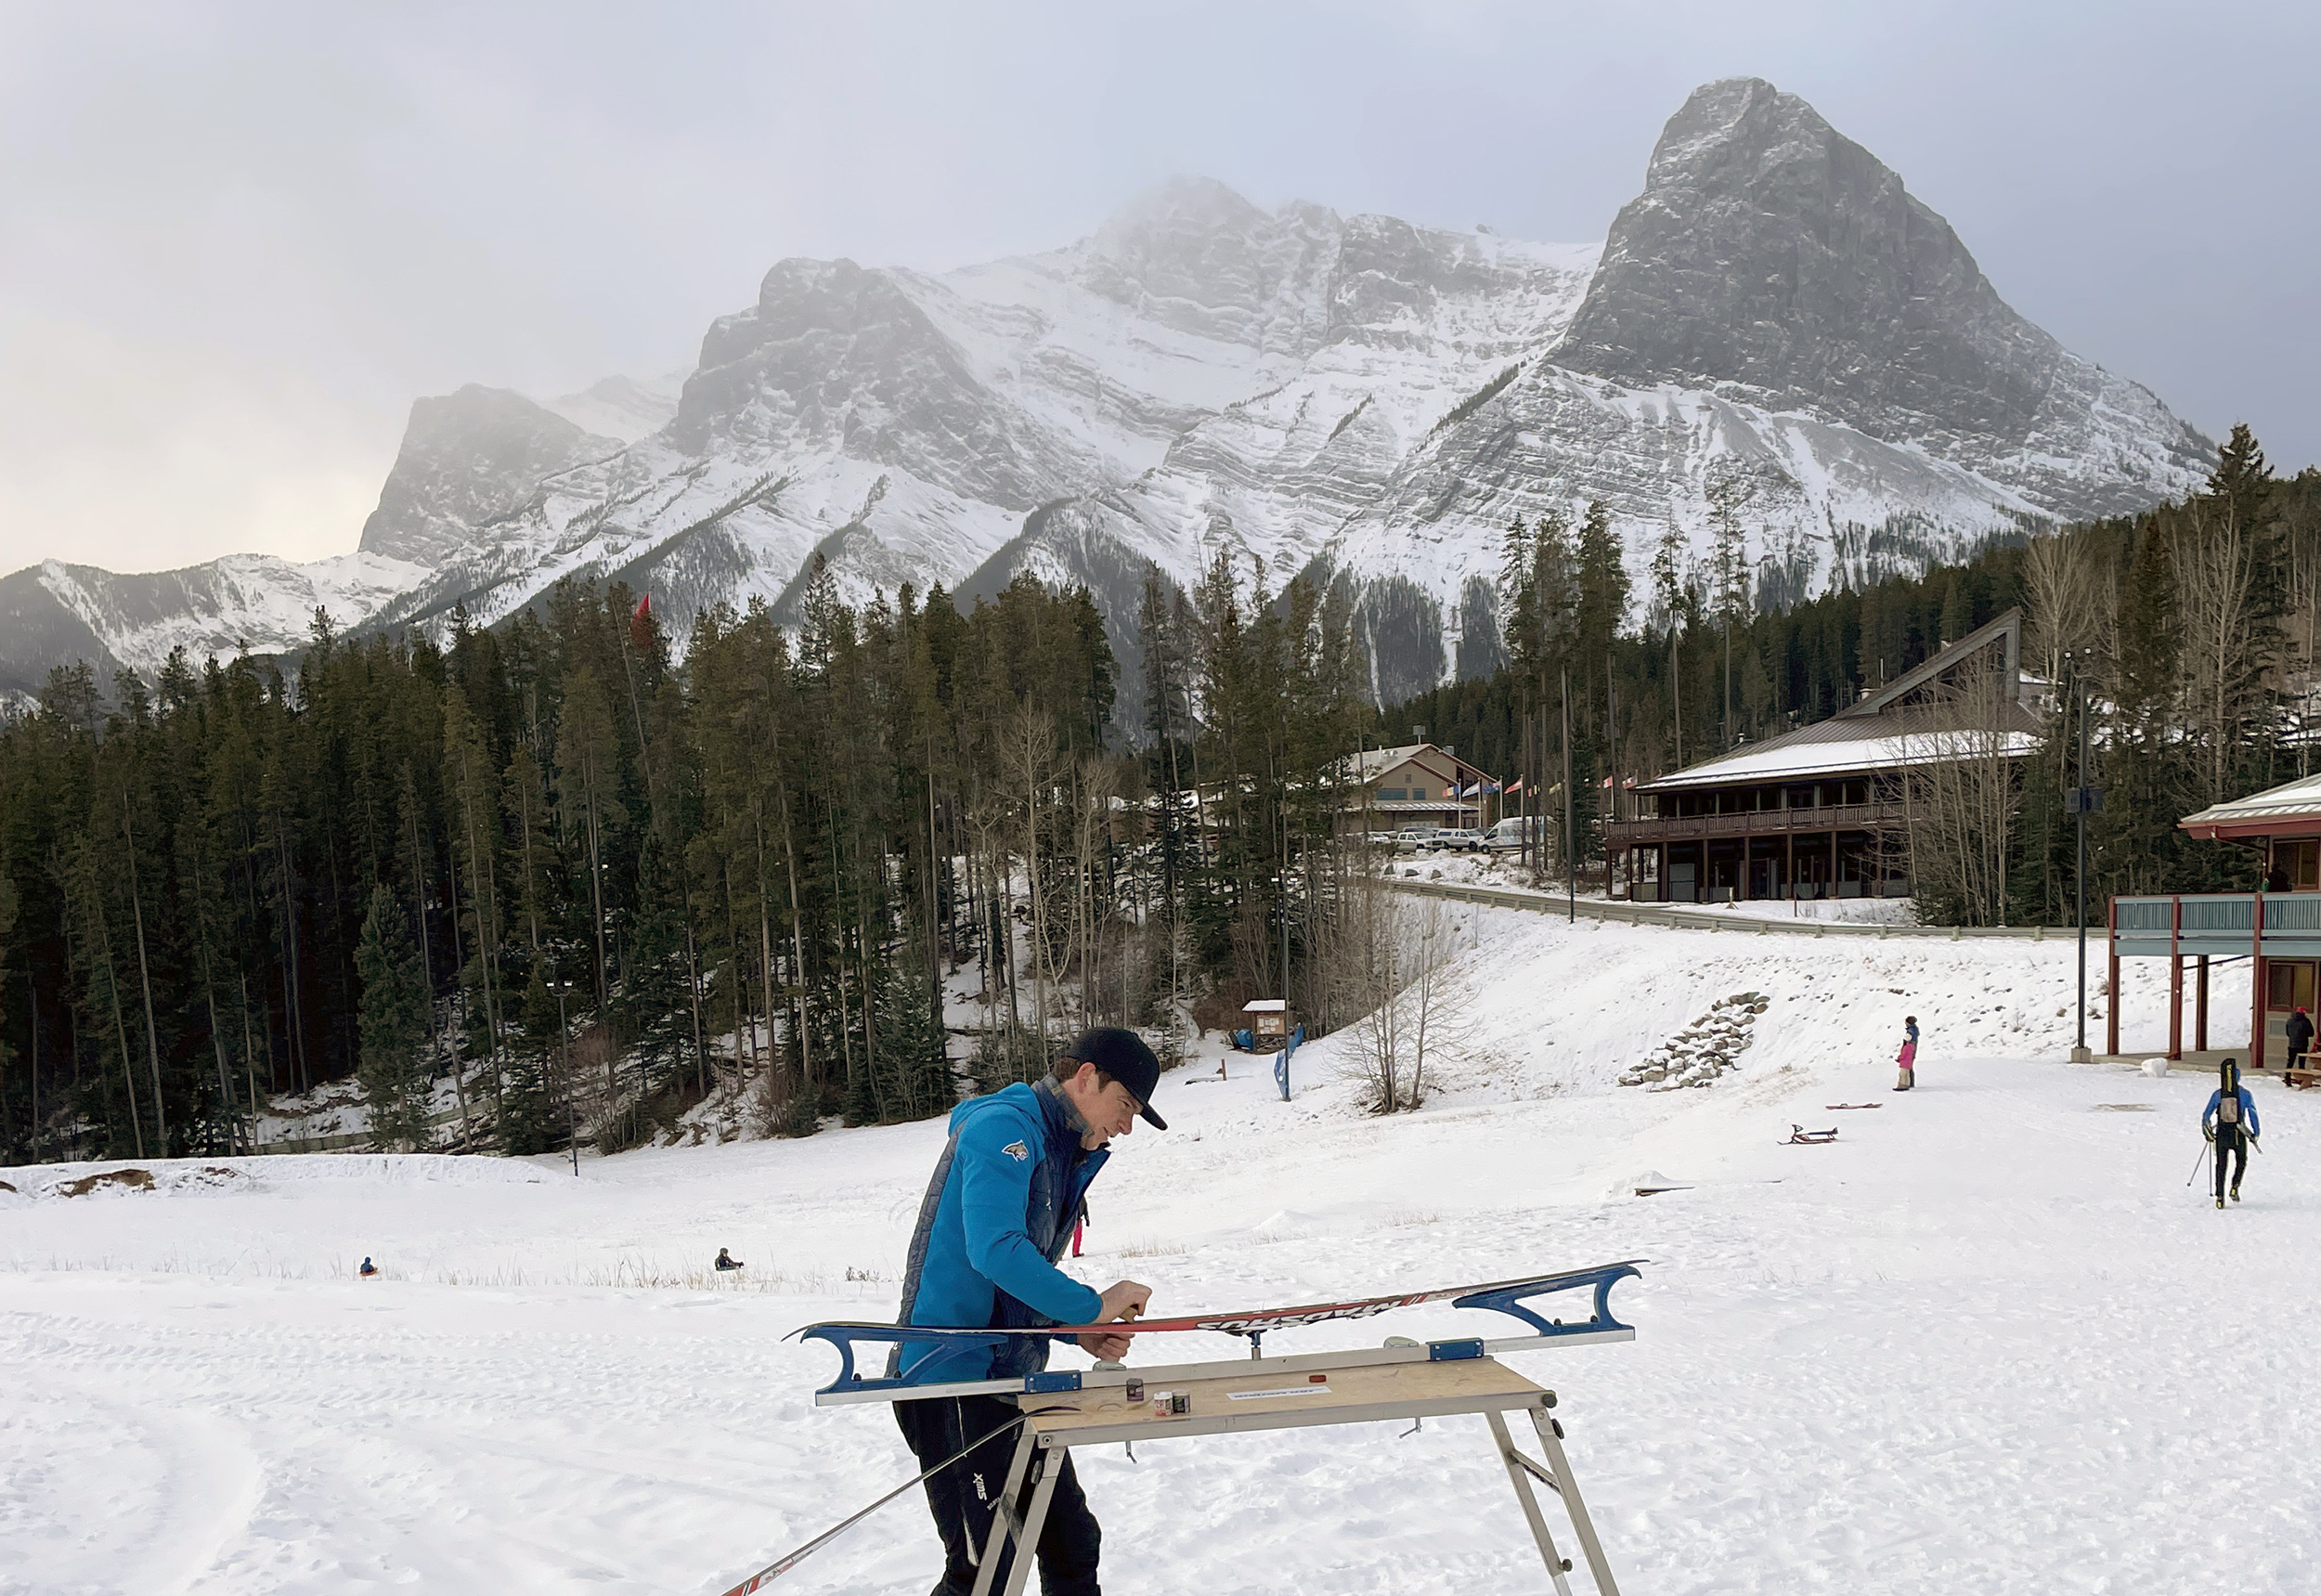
[1514, 1297]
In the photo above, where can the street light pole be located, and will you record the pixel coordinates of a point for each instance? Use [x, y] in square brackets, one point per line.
[2079, 1054]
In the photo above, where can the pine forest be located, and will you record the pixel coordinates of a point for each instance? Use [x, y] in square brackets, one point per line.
[541, 883]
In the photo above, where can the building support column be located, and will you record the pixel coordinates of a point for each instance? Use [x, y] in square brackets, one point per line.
[2111, 984]
[2199, 1003]
[1789, 864]
[2175, 980]
[2258, 980]
[1832, 859]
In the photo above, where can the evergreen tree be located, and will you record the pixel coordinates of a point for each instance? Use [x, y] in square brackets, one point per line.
[392, 1024]
[528, 1119]
[2137, 831]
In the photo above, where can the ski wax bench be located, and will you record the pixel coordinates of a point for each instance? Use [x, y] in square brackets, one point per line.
[1402, 1380]
[1238, 1396]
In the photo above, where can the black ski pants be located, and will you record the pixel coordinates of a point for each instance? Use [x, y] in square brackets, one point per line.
[2230, 1139]
[962, 1497]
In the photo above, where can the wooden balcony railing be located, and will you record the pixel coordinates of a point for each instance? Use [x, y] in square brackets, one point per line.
[1757, 822]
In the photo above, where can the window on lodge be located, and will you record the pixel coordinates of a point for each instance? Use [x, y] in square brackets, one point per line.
[2302, 860]
[1419, 793]
[2290, 982]
[1393, 795]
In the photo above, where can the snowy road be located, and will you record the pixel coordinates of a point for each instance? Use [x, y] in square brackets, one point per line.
[1986, 1341]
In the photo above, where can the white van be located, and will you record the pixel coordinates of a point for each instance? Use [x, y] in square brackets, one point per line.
[1511, 833]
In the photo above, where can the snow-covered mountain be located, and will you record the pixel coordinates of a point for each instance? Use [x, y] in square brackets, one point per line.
[1356, 397]
[623, 407]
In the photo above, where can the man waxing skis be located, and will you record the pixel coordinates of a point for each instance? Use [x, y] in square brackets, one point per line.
[997, 1214]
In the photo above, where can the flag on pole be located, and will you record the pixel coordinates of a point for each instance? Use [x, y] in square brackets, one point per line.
[640, 624]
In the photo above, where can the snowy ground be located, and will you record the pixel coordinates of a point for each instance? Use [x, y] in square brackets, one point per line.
[1986, 1341]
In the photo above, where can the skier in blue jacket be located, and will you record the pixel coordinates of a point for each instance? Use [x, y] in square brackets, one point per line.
[998, 1213]
[2230, 1121]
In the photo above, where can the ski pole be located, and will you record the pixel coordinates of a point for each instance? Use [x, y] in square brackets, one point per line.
[2197, 1164]
[783, 1565]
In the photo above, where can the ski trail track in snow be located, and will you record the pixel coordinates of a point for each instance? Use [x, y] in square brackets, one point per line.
[1987, 1340]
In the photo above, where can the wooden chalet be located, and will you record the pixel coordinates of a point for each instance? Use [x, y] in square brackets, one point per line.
[1820, 811]
[1418, 783]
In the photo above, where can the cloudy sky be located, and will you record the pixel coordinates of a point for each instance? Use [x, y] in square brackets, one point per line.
[236, 241]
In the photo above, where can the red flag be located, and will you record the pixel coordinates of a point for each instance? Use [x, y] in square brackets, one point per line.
[640, 624]
[644, 607]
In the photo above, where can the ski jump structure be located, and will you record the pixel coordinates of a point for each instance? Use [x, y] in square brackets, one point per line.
[1403, 1379]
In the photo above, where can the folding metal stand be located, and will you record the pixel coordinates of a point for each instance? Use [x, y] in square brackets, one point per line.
[1286, 1393]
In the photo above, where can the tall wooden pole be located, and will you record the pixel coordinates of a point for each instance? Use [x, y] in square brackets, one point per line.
[1571, 843]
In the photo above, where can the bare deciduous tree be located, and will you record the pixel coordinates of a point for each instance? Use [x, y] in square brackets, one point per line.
[2227, 631]
[2071, 598]
[1963, 797]
[1387, 957]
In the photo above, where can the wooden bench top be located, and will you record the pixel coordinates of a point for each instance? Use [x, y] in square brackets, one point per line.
[1275, 1399]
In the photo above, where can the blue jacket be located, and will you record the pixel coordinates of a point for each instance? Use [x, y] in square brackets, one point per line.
[2247, 1109]
[998, 1216]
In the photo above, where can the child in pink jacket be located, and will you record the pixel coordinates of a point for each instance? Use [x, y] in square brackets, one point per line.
[1908, 1058]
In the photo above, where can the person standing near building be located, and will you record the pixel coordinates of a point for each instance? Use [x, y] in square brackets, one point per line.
[2230, 1121]
[2300, 1038]
[998, 1213]
[1908, 1058]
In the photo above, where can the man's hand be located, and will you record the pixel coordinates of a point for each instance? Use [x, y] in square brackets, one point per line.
[1122, 1300]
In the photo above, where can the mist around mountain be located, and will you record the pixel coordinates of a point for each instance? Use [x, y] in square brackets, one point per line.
[1360, 399]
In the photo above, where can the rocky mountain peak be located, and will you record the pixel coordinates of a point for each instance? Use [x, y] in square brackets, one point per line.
[1196, 256]
[1770, 253]
[468, 458]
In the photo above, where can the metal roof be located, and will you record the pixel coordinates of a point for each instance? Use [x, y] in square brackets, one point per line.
[1837, 747]
[1882, 730]
[2300, 799]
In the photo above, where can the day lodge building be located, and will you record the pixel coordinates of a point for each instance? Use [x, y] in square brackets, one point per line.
[1820, 811]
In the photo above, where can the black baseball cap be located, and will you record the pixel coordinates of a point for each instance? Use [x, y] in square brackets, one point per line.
[1123, 1056]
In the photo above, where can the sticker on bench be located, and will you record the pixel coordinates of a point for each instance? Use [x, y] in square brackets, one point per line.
[1280, 1391]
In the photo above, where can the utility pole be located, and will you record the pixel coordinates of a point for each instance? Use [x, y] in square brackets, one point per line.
[2081, 799]
[1571, 847]
[563, 1054]
[1612, 762]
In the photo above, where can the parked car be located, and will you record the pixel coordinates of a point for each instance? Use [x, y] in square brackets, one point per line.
[1411, 839]
[1511, 833]
[1459, 840]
